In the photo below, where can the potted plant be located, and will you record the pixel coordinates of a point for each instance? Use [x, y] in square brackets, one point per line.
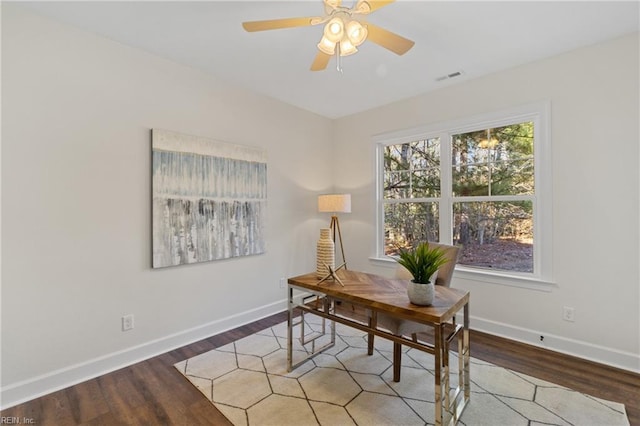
[423, 264]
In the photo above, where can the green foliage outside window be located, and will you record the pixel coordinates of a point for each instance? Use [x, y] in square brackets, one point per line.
[491, 190]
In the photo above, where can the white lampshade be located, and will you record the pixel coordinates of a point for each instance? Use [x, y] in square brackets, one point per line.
[356, 33]
[327, 46]
[334, 30]
[334, 203]
[346, 48]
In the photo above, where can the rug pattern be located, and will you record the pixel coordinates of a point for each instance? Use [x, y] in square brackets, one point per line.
[248, 382]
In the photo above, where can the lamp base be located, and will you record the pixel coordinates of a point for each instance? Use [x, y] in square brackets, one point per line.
[333, 274]
[335, 226]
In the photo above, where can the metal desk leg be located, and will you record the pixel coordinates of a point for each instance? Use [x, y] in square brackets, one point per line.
[290, 329]
[467, 353]
[328, 308]
[455, 406]
[438, 344]
[447, 373]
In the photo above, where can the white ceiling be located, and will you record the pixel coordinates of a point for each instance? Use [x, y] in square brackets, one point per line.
[474, 37]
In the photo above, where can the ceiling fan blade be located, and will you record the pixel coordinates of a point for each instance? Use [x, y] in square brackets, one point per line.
[377, 4]
[320, 62]
[275, 24]
[391, 41]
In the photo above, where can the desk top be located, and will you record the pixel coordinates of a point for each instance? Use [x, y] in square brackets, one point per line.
[386, 295]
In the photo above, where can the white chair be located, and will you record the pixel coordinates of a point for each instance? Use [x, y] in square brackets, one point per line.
[400, 327]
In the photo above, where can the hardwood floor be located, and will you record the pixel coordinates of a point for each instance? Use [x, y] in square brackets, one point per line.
[152, 392]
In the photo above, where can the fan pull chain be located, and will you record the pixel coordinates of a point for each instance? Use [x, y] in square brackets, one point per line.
[338, 59]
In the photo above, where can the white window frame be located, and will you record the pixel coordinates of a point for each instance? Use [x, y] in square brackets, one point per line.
[539, 114]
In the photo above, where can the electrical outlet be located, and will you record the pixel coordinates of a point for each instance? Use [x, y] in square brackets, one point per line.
[127, 322]
[542, 342]
[568, 314]
[283, 283]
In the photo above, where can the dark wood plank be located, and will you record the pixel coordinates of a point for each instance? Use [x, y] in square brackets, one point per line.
[203, 415]
[86, 401]
[58, 409]
[153, 392]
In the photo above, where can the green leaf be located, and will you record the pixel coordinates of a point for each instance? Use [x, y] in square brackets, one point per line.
[422, 262]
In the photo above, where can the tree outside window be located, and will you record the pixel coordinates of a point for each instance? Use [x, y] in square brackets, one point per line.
[484, 202]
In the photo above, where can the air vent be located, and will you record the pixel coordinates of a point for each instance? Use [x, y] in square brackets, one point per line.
[448, 76]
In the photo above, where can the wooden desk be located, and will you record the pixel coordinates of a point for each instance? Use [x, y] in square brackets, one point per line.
[389, 296]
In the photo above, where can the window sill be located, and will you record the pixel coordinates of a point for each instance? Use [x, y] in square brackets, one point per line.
[491, 277]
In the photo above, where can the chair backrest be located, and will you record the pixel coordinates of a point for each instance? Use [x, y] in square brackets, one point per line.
[444, 273]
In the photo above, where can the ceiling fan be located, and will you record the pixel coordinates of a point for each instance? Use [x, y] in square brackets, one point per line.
[344, 30]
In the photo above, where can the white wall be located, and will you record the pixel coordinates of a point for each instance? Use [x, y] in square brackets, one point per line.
[77, 111]
[76, 234]
[594, 95]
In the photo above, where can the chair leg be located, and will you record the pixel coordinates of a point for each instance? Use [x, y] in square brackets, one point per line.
[397, 360]
[370, 336]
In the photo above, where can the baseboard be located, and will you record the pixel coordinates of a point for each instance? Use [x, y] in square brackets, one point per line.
[600, 354]
[36, 387]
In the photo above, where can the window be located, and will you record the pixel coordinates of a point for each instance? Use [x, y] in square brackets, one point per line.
[481, 183]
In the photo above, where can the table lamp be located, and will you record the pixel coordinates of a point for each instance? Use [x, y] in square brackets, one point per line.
[335, 203]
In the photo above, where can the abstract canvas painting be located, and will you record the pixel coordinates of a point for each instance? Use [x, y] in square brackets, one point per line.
[209, 199]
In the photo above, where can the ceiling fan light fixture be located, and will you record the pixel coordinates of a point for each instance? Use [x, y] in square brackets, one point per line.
[327, 46]
[347, 48]
[488, 143]
[356, 32]
[334, 30]
[344, 29]
[363, 6]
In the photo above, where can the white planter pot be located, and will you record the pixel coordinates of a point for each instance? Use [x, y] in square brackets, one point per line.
[420, 294]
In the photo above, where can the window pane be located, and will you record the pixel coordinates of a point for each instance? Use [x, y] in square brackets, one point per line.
[496, 161]
[496, 235]
[512, 177]
[470, 180]
[412, 170]
[396, 184]
[407, 224]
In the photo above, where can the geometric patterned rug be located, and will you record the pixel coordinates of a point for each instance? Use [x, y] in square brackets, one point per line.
[247, 381]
